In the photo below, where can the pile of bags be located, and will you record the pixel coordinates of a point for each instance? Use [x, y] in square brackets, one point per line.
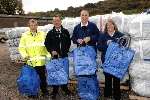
[13, 42]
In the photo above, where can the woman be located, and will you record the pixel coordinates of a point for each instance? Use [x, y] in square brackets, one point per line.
[112, 83]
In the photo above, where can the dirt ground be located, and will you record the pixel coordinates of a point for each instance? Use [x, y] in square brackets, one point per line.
[10, 71]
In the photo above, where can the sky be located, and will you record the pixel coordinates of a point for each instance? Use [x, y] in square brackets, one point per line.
[47, 5]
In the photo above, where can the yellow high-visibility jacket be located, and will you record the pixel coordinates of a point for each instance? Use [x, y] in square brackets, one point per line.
[33, 47]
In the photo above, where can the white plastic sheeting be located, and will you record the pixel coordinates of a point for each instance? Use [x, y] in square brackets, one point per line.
[16, 32]
[139, 26]
[139, 29]
[13, 50]
[70, 23]
[13, 42]
[142, 87]
[140, 70]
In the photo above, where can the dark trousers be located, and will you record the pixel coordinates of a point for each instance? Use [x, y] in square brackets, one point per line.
[63, 87]
[41, 72]
[112, 86]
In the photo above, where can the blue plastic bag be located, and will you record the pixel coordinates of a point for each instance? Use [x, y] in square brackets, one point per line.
[28, 82]
[117, 60]
[57, 71]
[85, 60]
[88, 87]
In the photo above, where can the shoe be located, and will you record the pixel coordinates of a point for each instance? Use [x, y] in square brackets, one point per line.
[67, 93]
[46, 94]
[108, 98]
[53, 96]
[33, 96]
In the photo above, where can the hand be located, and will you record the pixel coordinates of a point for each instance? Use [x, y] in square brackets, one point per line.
[109, 41]
[80, 41]
[87, 39]
[26, 58]
[54, 53]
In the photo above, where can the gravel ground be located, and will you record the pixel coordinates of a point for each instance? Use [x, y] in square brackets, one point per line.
[10, 71]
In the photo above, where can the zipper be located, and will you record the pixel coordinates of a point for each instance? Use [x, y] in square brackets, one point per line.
[60, 42]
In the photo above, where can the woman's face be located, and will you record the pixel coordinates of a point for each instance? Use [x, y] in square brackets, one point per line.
[110, 27]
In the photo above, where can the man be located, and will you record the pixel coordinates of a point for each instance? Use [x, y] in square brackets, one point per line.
[85, 32]
[32, 49]
[58, 43]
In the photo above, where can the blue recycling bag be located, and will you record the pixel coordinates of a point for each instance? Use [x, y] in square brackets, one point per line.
[28, 82]
[57, 71]
[117, 60]
[85, 60]
[88, 87]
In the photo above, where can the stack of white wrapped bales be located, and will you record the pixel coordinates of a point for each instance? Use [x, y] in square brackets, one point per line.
[13, 42]
[139, 28]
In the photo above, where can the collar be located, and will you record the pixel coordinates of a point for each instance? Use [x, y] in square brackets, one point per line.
[85, 24]
[112, 34]
[34, 33]
[60, 29]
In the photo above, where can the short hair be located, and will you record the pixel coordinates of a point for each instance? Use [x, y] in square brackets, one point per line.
[32, 21]
[84, 10]
[57, 16]
[110, 21]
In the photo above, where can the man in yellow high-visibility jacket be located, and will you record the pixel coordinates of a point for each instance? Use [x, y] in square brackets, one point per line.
[32, 49]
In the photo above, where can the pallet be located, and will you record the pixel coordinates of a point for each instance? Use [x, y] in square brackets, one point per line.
[134, 97]
[102, 85]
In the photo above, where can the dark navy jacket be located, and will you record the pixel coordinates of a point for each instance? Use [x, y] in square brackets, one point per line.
[102, 42]
[85, 31]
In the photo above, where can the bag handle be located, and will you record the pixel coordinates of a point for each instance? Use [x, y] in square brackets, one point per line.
[124, 40]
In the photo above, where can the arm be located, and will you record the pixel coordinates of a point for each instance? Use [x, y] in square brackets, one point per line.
[74, 36]
[68, 41]
[102, 42]
[22, 47]
[48, 42]
[95, 33]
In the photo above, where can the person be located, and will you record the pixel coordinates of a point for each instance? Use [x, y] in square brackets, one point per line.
[32, 49]
[58, 43]
[85, 33]
[110, 34]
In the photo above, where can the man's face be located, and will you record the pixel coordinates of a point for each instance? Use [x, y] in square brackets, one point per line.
[57, 22]
[84, 16]
[33, 26]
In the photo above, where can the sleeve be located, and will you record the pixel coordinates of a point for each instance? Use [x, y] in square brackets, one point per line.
[48, 42]
[74, 36]
[69, 41]
[102, 42]
[95, 33]
[22, 47]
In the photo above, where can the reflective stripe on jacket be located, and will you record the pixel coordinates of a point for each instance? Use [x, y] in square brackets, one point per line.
[34, 48]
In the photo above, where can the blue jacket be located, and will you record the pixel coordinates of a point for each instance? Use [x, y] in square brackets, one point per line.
[102, 42]
[85, 31]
